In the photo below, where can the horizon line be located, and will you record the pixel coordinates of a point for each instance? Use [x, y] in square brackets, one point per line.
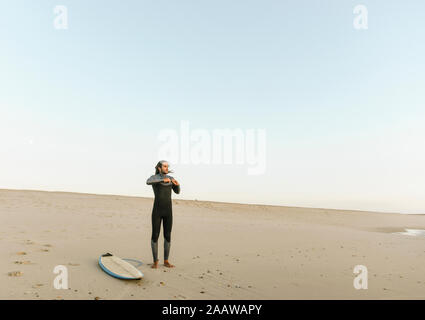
[219, 202]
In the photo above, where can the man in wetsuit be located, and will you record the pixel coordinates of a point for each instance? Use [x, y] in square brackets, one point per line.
[162, 184]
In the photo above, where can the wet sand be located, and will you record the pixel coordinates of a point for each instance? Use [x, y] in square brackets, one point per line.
[221, 250]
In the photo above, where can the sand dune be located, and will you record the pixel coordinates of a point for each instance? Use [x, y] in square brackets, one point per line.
[221, 250]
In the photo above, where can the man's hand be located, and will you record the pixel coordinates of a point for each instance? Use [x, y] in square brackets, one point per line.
[174, 181]
[166, 180]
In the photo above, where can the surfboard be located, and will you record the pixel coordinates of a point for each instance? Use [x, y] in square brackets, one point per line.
[118, 268]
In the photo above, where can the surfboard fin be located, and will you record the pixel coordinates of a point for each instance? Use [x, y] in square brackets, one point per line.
[107, 255]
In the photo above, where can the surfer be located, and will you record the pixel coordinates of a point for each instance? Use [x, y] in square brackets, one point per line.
[162, 184]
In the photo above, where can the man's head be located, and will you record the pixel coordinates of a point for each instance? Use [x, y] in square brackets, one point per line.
[161, 167]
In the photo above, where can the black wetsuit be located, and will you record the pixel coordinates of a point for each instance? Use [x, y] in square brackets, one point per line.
[162, 210]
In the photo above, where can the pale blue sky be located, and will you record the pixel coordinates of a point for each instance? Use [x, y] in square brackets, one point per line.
[81, 109]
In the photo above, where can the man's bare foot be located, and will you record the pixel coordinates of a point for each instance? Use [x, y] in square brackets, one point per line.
[155, 265]
[168, 265]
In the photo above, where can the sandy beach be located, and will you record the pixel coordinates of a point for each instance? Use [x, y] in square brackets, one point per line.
[221, 250]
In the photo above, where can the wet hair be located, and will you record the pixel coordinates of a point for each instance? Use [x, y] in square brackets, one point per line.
[159, 165]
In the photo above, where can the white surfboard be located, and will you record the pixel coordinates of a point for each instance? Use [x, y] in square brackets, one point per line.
[118, 268]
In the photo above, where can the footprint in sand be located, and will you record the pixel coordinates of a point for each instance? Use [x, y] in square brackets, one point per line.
[73, 264]
[22, 262]
[15, 274]
[47, 245]
[38, 285]
[45, 250]
[21, 253]
[29, 242]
